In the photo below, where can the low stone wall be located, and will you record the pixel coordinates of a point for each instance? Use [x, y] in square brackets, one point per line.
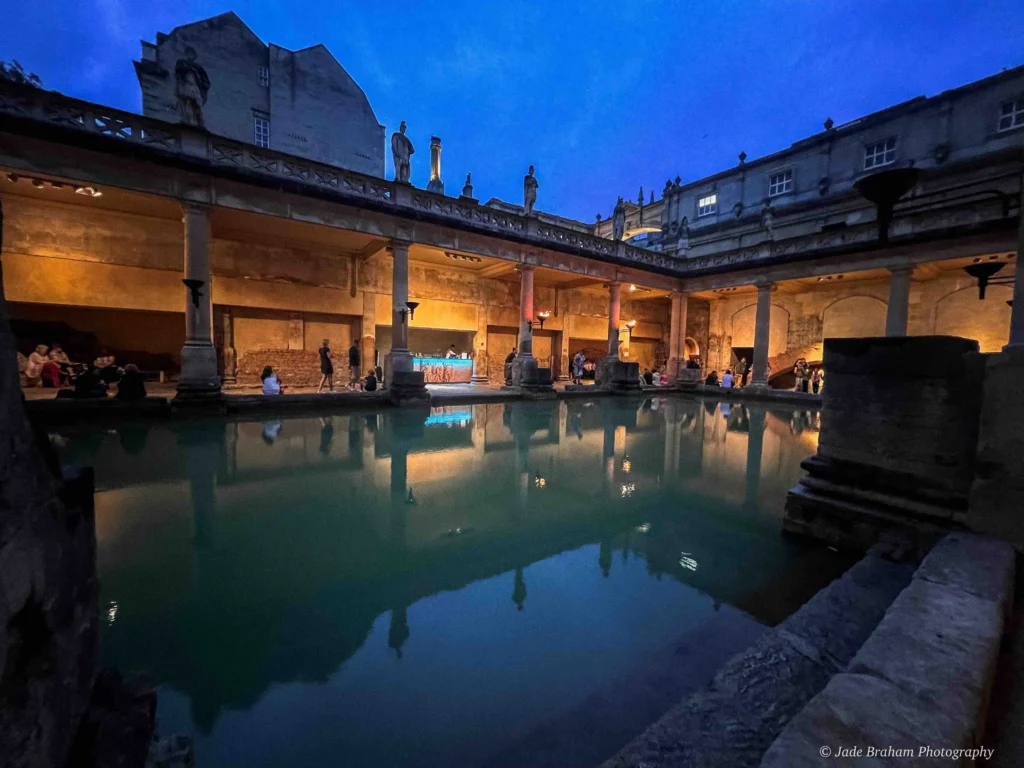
[294, 367]
[924, 676]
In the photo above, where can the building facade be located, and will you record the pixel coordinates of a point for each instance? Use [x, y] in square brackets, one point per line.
[106, 212]
[302, 103]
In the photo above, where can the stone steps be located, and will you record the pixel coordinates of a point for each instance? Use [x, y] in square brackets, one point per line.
[752, 698]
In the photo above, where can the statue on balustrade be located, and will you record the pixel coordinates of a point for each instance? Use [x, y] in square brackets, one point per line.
[666, 208]
[192, 86]
[683, 242]
[401, 151]
[619, 220]
[529, 192]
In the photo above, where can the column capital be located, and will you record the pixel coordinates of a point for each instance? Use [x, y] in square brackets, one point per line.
[194, 207]
[398, 242]
[523, 267]
[764, 285]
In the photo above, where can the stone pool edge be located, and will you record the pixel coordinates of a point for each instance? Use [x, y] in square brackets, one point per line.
[863, 663]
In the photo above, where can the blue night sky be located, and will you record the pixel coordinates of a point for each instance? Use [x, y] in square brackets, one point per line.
[601, 96]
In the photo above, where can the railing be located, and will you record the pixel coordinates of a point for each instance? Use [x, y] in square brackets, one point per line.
[52, 108]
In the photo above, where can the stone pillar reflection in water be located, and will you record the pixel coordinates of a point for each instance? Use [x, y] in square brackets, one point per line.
[526, 311]
[519, 590]
[899, 301]
[614, 309]
[401, 360]
[755, 449]
[670, 465]
[198, 356]
[762, 331]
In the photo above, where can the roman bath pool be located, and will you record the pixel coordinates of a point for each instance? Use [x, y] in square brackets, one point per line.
[479, 585]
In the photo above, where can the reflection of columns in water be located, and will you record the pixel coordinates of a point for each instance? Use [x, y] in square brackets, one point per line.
[398, 631]
[555, 421]
[604, 558]
[608, 452]
[522, 468]
[671, 458]
[755, 445]
[399, 495]
[519, 590]
[205, 448]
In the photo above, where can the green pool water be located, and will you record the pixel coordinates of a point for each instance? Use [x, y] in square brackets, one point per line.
[485, 585]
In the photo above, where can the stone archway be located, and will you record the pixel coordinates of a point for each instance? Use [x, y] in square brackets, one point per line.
[854, 317]
[690, 348]
[962, 313]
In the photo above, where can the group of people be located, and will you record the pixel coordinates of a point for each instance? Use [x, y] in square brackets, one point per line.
[654, 378]
[356, 383]
[808, 379]
[739, 378]
[51, 367]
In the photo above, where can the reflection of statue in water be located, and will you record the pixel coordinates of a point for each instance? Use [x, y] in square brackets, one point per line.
[401, 152]
[604, 558]
[519, 590]
[192, 85]
[398, 632]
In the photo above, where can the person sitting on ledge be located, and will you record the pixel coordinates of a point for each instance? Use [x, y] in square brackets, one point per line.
[89, 385]
[108, 370]
[712, 379]
[727, 379]
[371, 381]
[655, 378]
[648, 377]
[131, 387]
[271, 384]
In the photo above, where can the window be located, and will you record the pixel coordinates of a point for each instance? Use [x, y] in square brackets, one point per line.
[1011, 115]
[263, 73]
[261, 130]
[780, 183]
[707, 205]
[882, 153]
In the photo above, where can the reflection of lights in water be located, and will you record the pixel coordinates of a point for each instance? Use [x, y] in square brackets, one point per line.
[627, 489]
[643, 528]
[539, 481]
[627, 465]
[112, 612]
[687, 562]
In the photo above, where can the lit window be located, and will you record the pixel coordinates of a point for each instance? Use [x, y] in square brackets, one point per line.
[261, 129]
[780, 183]
[707, 205]
[264, 76]
[882, 153]
[1011, 115]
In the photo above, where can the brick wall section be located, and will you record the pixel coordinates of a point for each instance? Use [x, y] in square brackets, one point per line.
[294, 367]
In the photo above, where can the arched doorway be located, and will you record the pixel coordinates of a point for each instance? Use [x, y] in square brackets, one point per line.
[690, 349]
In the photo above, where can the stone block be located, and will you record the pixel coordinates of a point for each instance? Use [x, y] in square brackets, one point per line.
[838, 620]
[618, 375]
[528, 375]
[858, 710]
[939, 644]
[975, 564]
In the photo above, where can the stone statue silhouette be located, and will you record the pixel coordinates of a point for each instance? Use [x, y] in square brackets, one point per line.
[191, 87]
[401, 150]
[529, 192]
[619, 220]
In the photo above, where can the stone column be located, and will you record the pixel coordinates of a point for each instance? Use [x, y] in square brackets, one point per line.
[230, 355]
[899, 301]
[401, 360]
[480, 347]
[563, 351]
[1017, 312]
[614, 307]
[526, 311]
[198, 356]
[368, 330]
[677, 336]
[762, 329]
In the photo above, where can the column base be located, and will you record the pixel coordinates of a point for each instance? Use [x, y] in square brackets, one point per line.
[198, 371]
[527, 375]
[673, 368]
[479, 380]
[615, 375]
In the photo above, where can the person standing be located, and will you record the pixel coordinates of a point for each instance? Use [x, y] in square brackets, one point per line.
[816, 380]
[451, 354]
[798, 373]
[354, 382]
[326, 367]
[743, 371]
[577, 367]
[508, 365]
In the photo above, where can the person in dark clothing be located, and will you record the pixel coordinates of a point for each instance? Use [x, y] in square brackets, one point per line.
[648, 377]
[131, 387]
[508, 365]
[326, 367]
[90, 385]
[354, 381]
[712, 379]
[371, 382]
[380, 375]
